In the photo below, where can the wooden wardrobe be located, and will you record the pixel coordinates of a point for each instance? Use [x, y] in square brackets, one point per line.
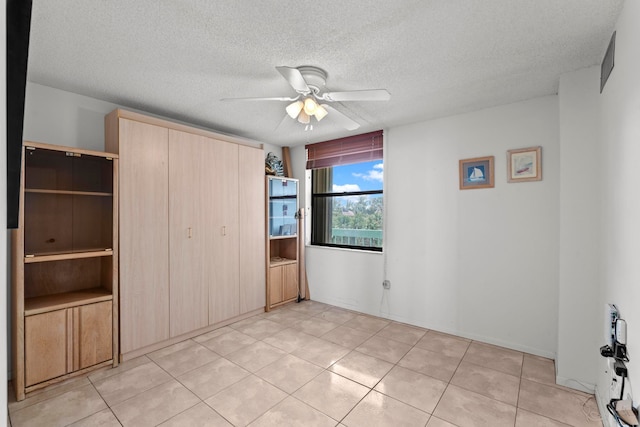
[192, 254]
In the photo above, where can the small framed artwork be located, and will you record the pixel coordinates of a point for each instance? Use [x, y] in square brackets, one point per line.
[524, 164]
[476, 173]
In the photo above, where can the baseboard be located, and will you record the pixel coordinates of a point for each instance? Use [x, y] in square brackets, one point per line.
[513, 346]
[159, 345]
[575, 384]
[602, 408]
[443, 329]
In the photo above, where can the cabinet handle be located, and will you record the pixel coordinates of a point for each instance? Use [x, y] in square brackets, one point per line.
[190, 233]
[224, 230]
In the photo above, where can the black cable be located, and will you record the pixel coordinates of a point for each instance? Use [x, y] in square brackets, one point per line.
[614, 414]
[611, 407]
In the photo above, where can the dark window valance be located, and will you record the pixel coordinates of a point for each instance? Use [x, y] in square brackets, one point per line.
[352, 149]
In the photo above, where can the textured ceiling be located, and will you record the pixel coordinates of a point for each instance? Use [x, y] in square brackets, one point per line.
[178, 58]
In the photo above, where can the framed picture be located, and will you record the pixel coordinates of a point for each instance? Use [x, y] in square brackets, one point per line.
[524, 164]
[476, 173]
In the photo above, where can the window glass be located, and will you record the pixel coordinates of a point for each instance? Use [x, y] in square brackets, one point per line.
[347, 206]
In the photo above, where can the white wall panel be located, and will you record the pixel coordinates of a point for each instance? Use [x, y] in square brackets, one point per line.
[620, 142]
[579, 313]
[478, 263]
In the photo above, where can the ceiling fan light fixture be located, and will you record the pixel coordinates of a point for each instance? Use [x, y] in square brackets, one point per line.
[303, 118]
[294, 109]
[308, 82]
[310, 106]
[321, 112]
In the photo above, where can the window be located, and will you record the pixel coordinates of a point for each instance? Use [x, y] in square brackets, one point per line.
[346, 192]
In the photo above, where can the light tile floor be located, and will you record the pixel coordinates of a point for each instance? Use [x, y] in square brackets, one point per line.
[311, 364]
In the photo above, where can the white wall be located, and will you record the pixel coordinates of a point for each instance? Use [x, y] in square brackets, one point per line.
[346, 278]
[58, 117]
[478, 263]
[620, 140]
[580, 328]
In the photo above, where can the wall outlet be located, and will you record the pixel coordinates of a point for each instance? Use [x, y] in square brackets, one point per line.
[386, 284]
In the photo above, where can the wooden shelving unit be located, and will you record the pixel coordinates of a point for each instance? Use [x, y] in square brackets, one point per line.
[64, 273]
[282, 240]
[45, 303]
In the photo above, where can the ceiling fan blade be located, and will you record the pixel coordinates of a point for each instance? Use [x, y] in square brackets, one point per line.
[295, 79]
[358, 95]
[274, 98]
[341, 119]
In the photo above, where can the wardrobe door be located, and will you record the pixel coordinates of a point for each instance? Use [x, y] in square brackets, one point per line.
[252, 230]
[224, 291]
[188, 289]
[144, 234]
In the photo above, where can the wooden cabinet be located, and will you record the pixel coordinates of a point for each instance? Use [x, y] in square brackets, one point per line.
[251, 229]
[289, 281]
[200, 198]
[45, 346]
[188, 233]
[282, 242]
[144, 231]
[283, 283]
[64, 272]
[92, 334]
[224, 250]
[63, 341]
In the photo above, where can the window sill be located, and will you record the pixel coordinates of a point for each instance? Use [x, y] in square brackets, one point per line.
[335, 248]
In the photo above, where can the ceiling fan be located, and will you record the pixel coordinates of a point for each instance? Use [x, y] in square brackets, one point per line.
[313, 99]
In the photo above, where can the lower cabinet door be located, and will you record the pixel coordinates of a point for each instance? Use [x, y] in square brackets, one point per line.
[290, 286]
[283, 283]
[45, 346]
[275, 284]
[64, 341]
[93, 329]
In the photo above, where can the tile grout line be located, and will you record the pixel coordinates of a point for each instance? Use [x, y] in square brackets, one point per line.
[372, 389]
[143, 391]
[201, 400]
[105, 402]
[327, 369]
[449, 382]
[396, 364]
[519, 388]
[317, 315]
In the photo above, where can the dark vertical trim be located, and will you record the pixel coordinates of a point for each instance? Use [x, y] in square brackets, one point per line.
[18, 28]
[607, 62]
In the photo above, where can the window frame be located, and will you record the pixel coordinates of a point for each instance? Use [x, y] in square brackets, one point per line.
[315, 196]
[326, 155]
